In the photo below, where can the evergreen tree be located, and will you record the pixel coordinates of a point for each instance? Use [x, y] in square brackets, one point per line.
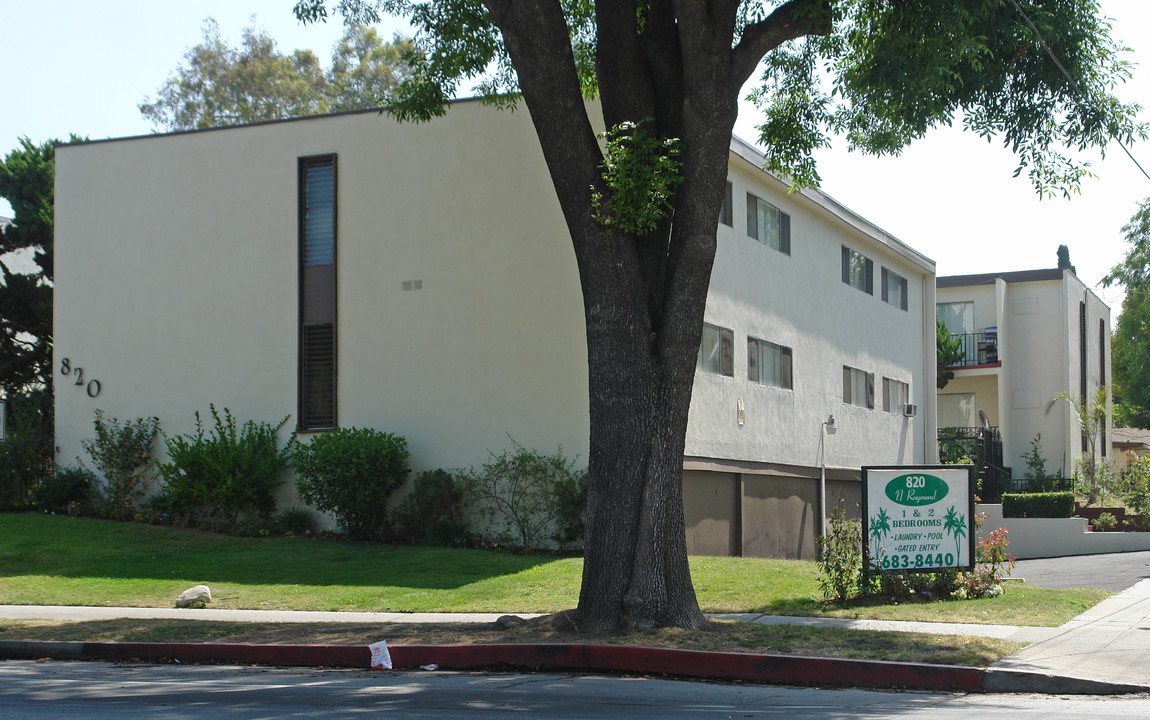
[27, 181]
[1064, 259]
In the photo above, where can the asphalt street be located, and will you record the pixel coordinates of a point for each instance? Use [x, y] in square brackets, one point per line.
[103, 691]
[1115, 571]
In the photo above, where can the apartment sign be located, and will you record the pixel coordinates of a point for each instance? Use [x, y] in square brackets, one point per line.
[919, 518]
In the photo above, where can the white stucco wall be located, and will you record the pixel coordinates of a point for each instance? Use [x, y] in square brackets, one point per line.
[1038, 323]
[177, 282]
[177, 286]
[799, 301]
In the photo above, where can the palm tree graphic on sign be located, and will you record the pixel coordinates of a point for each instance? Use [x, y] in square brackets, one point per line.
[955, 524]
[879, 526]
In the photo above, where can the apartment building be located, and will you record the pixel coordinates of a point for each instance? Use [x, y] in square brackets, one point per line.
[348, 270]
[1026, 337]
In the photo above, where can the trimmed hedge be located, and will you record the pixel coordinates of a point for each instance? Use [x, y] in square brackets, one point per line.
[1038, 505]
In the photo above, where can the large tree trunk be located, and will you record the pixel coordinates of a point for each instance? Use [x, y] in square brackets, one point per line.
[635, 571]
[644, 296]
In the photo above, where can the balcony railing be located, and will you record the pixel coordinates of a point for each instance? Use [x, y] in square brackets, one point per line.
[978, 348]
[983, 447]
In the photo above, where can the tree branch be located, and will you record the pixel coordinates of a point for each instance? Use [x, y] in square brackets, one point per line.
[795, 19]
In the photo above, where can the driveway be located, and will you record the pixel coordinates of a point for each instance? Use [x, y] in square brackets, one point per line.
[1116, 571]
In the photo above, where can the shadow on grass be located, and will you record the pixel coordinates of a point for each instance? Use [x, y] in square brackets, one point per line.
[85, 548]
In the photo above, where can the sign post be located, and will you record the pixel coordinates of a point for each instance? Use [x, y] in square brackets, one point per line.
[918, 518]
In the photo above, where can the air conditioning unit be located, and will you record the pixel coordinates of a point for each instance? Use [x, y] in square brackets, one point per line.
[910, 410]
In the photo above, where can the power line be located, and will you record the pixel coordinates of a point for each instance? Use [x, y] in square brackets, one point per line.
[1073, 82]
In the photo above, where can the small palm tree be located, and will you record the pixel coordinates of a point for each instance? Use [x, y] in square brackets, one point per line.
[955, 524]
[1091, 414]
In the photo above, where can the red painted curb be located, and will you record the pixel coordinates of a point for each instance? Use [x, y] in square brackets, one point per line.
[777, 669]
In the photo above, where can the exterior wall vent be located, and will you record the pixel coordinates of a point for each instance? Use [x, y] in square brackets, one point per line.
[910, 410]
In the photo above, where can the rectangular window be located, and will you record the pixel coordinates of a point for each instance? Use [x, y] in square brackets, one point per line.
[858, 387]
[958, 317]
[858, 270]
[1082, 366]
[1102, 374]
[1102, 351]
[717, 351]
[895, 394]
[957, 410]
[769, 364]
[893, 289]
[769, 225]
[317, 315]
[726, 216]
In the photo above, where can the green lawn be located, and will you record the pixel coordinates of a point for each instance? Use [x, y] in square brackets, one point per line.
[55, 560]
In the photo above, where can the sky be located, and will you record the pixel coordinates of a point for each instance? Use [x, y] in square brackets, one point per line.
[76, 66]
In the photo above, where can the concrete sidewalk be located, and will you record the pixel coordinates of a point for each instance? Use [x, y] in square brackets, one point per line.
[82, 613]
[1108, 643]
[1102, 650]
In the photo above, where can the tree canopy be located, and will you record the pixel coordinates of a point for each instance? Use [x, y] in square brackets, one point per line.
[1037, 74]
[27, 177]
[222, 85]
[27, 182]
[1130, 345]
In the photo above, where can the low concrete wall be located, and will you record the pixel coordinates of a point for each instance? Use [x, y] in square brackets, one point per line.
[1058, 537]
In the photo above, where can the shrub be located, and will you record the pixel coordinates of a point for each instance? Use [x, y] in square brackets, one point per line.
[122, 452]
[433, 512]
[1105, 522]
[70, 489]
[1038, 505]
[516, 490]
[1035, 463]
[351, 473]
[994, 566]
[569, 506]
[226, 474]
[296, 521]
[1098, 480]
[26, 452]
[1135, 486]
[956, 445]
[839, 556]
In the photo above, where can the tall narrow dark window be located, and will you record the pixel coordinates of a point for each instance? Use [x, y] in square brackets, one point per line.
[317, 316]
[1082, 366]
[1102, 365]
[1102, 351]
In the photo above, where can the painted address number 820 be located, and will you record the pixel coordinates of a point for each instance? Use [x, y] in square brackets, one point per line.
[93, 386]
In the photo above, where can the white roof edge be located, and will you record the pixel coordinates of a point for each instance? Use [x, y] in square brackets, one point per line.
[748, 152]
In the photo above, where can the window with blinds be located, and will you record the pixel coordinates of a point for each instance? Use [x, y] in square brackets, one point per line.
[895, 395]
[769, 364]
[769, 225]
[858, 270]
[893, 289]
[858, 387]
[317, 320]
[716, 351]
